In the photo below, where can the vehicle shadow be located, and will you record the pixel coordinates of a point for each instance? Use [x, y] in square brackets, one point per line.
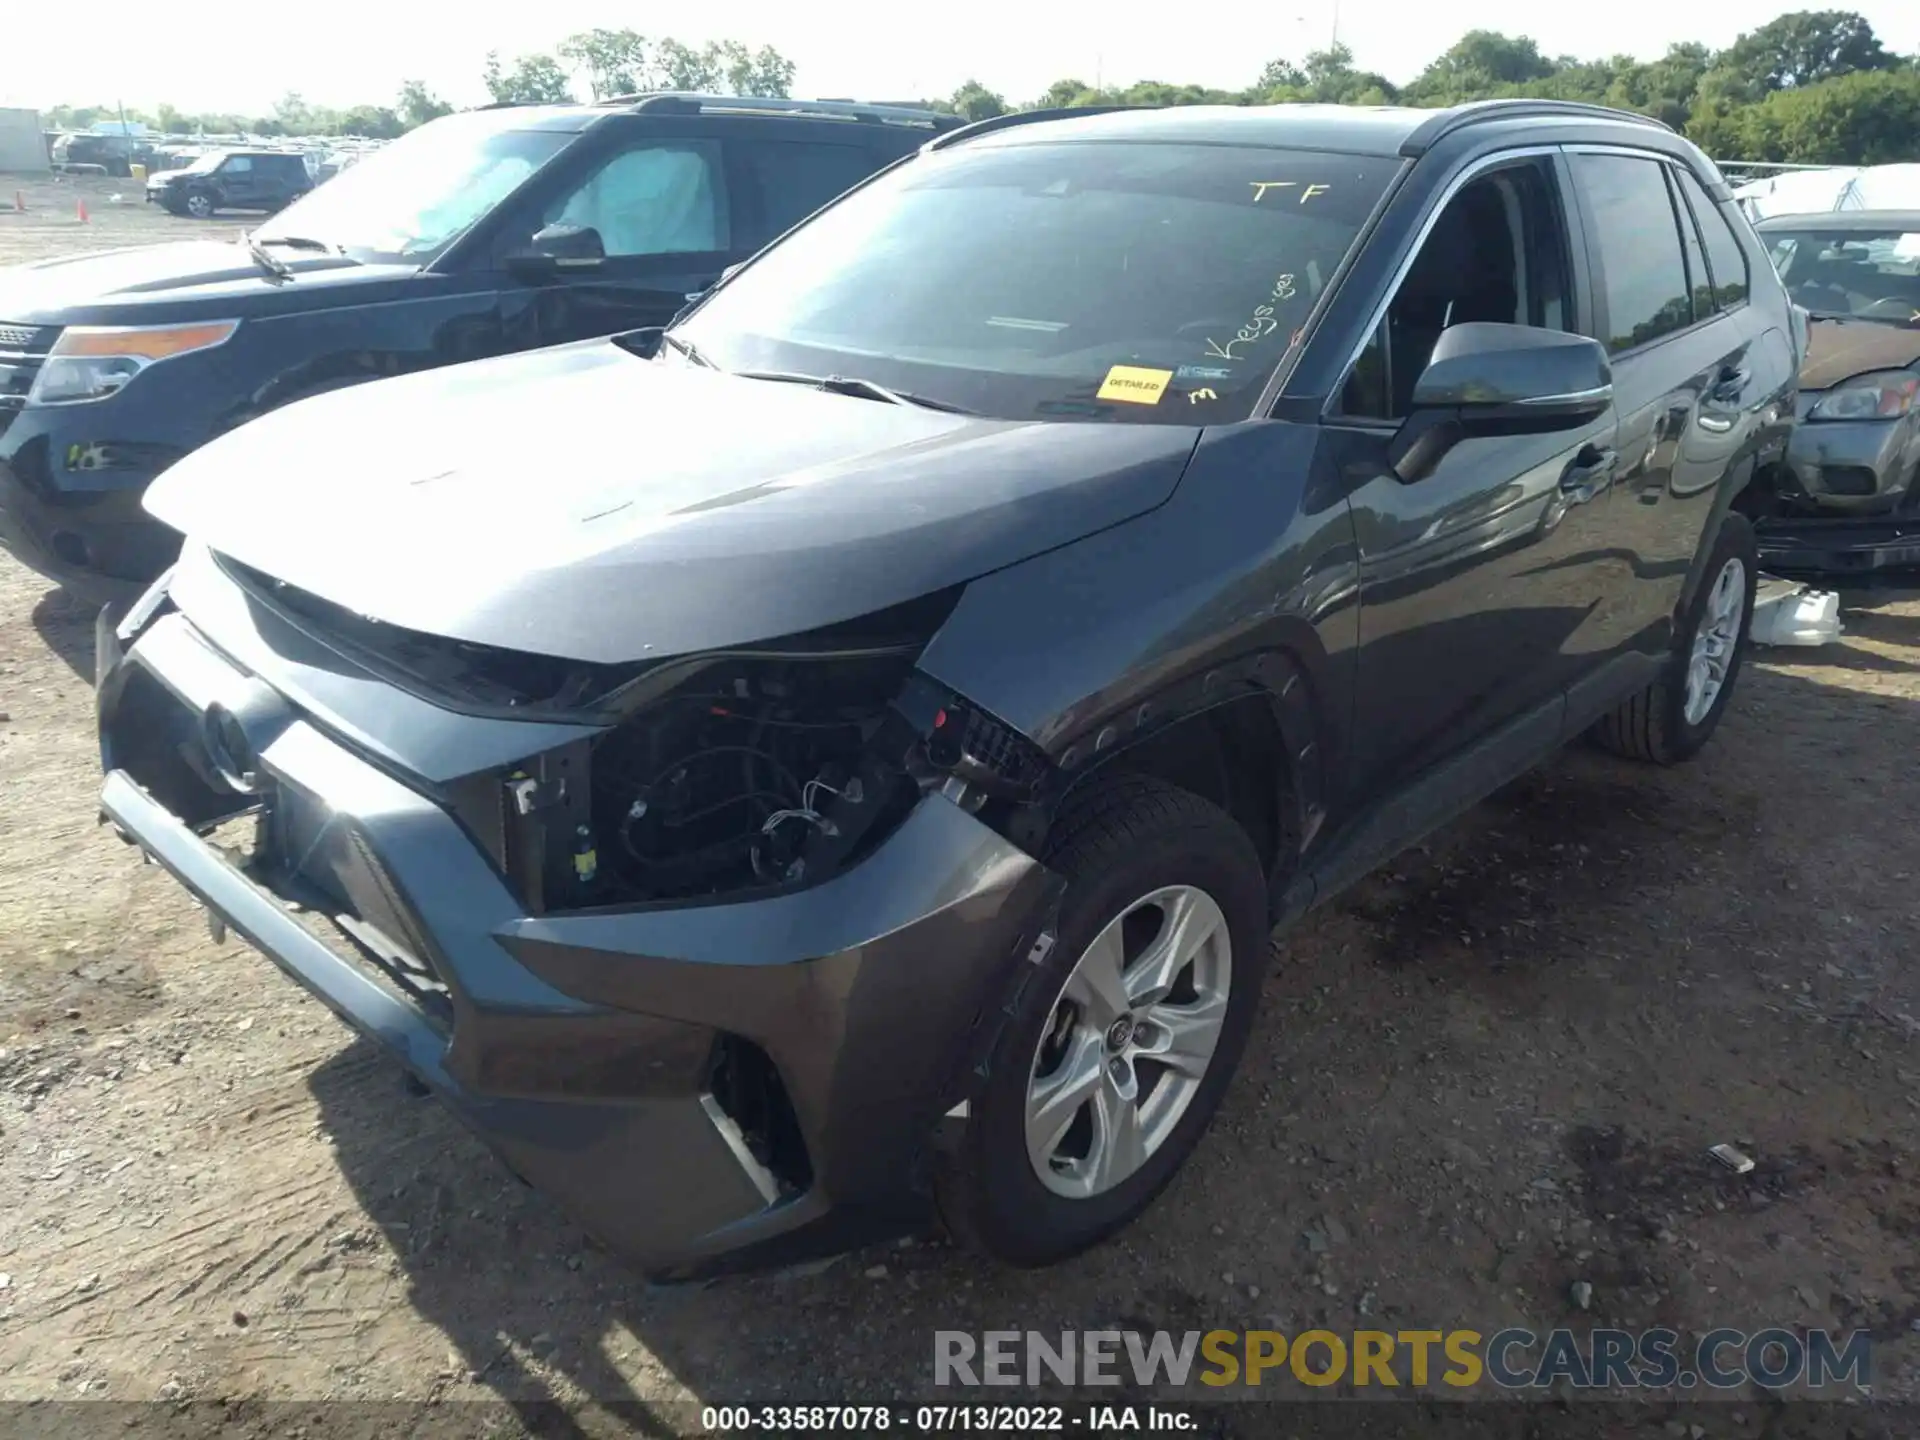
[1564, 956]
[65, 623]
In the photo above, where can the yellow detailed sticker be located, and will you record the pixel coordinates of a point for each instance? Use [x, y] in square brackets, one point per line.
[1133, 384]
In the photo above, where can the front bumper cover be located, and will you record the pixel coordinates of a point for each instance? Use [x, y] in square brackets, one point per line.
[581, 1046]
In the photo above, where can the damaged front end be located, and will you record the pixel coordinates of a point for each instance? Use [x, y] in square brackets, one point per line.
[752, 769]
[702, 946]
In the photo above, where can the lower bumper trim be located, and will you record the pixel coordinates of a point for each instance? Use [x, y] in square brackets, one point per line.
[256, 915]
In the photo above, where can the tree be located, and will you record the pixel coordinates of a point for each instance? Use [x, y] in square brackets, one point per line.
[764, 72]
[725, 66]
[973, 101]
[375, 122]
[678, 66]
[614, 60]
[1479, 62]
[1865, 118]
[1327, 77]
[418, 104]
[533, 80]
[1280, 74]
[1062, 94]
[1803, 48]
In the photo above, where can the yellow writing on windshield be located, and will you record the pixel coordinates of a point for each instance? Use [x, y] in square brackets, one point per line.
[1133, 384]
[1261, 187]
[1261, 324]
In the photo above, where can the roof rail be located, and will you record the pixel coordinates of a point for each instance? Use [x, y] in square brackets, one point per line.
[677, 102]
[1024, 117]
[1455, 117]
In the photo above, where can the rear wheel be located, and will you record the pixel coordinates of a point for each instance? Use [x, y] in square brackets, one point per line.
[1673, 717]
[1117, 1048]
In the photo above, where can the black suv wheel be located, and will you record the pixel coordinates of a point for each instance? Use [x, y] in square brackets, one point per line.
[1116, 1048]
[199, 203]
[1673, 717]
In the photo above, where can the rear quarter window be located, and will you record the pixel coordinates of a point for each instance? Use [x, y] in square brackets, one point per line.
[1726, 256]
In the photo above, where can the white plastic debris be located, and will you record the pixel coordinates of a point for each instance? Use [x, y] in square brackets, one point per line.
[1787, 612]
[1733, 1159]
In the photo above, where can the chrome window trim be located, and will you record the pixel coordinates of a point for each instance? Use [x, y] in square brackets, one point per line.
[1572, 397]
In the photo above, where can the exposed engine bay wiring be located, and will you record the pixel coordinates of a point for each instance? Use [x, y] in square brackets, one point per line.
[716, 787]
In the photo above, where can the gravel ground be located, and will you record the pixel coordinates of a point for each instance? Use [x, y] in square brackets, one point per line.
[1488, 1076]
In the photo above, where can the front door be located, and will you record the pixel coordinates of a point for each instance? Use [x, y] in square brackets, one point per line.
[1483, 585]
[661, 210]
[239, 181]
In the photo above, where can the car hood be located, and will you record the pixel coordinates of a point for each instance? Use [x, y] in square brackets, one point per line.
[586, 503]
[190, 279]
[1840, 349]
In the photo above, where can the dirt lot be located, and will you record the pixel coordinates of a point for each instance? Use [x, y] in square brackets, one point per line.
[1491, 1072]
[51, 225]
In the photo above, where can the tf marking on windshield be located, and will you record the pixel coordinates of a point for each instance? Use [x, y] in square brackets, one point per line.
[1261, 187]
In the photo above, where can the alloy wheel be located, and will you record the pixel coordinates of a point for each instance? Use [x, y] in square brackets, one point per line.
[1715, 640]
[1129, 1041]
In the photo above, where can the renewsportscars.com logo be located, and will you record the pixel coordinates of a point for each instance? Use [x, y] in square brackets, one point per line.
[1510, 1359]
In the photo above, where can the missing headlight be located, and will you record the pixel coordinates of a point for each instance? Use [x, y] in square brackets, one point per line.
[753, 773]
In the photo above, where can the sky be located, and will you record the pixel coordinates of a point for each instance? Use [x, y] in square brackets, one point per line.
[242, 58]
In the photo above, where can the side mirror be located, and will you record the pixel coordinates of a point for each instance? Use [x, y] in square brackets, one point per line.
[1489, 379]
[560, 247]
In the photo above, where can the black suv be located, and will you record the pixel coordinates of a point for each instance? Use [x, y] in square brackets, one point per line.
[845, 755]
[267, 180]
[491, 231]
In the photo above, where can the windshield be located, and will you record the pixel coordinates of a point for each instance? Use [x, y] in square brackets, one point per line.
[413, 198]
[1092, 281]
[206, 164]
[1851, 273]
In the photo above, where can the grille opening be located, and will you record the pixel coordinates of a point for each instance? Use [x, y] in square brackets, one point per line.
[1849, 479]
[747, 1086]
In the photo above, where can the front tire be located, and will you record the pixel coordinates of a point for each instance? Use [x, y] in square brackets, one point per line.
[1116, 1049]
[1672, 718]
[199, 204]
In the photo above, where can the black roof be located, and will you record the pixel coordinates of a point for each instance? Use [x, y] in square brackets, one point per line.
[1349, 129]
[1872, 221]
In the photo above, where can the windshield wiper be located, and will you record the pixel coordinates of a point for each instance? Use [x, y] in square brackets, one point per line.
[855, 385]
[686, 348]
[279, 269]
[302, 242]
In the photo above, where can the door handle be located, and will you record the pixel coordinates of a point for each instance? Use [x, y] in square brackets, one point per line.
[1588, 471]
[1731, 381]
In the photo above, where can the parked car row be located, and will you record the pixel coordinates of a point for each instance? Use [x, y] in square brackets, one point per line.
[823, 740]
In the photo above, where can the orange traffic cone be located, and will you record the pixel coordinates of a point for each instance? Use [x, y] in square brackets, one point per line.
[83, 212]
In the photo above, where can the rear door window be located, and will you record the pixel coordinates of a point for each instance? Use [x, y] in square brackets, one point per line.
[1643, 270]
[791, 180]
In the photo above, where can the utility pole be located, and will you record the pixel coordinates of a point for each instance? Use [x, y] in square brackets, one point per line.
[1336, 24]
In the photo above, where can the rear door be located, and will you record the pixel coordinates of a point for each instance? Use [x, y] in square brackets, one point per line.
[1690, 371]
[781, 180]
